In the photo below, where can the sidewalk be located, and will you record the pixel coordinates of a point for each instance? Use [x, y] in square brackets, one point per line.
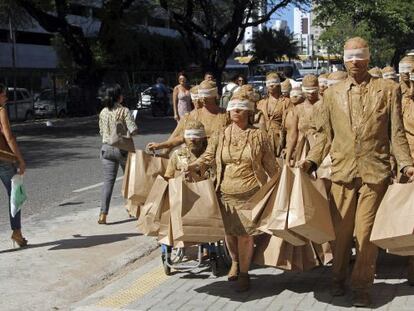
[70, 255]
[148, 288]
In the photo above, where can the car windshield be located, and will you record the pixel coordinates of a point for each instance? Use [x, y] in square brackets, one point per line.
[45, 96]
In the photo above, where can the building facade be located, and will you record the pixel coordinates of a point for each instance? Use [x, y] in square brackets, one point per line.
[280, 24]
[246, 45]
[306, 33]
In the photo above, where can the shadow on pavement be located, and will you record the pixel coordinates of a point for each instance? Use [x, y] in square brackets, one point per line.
[79, 241]
[262, 286]
[317, 281]
[121, 221]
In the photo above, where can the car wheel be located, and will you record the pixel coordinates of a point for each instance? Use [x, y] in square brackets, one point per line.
[29, 116]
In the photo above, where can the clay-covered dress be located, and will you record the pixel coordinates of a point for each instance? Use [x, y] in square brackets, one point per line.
[272, 112]
[244, 163]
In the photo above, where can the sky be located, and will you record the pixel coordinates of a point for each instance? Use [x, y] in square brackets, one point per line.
[286, 14]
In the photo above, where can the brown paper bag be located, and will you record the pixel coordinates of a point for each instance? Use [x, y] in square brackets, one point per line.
[165, 232]
[277, 224]
[275, 252]
[144, 168]
[195, 212]
[254, 207]
[157, 203]
[272, 251]
[394, 226]
[404, 251]
[309, 213]
[125, 180]
[133, 208]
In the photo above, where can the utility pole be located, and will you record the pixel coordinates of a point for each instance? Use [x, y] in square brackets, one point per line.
[13, 42]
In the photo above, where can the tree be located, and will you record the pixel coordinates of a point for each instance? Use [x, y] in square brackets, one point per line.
[270, 45]
[52, 16]
[335, 35]
[389, 20]
[212, 29]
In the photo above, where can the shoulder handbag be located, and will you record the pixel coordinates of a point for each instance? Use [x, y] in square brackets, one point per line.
[120, 137]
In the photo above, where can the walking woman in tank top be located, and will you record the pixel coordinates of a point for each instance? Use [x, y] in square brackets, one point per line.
[181, 97]
[8, 170]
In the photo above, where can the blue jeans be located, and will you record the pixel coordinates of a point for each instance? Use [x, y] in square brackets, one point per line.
[7, 171]
[111, 158]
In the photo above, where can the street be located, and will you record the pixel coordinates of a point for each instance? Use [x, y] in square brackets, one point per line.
[63, 161]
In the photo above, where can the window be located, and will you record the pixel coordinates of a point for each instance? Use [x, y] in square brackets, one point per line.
[19, 95]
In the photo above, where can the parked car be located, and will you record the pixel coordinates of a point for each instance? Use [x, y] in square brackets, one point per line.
[259, 83]
[150, 100]
[19, 104]
[44, 105]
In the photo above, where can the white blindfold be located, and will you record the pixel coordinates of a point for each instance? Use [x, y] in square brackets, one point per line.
[310, 89]
[323, 81]
[389, 75]
[356, 54]
[237, 104]
[203, 93]
[272, 82]
[296, 93]
[405, 68]
[194, 134]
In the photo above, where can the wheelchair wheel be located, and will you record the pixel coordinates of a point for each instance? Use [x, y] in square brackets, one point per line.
[167, 269]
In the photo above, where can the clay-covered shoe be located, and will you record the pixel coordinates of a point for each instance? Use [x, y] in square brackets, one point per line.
[338, 289]
[233, 272]
[243, 282]
[362, 299]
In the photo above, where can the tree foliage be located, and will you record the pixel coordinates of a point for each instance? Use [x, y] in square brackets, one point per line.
[270, 45]
[212, 29]
[387, 24]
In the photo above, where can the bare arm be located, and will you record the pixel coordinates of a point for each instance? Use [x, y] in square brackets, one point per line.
[292, 134]
[175, 103]
[11, 140]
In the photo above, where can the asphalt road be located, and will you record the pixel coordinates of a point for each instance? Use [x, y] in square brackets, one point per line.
[64, 158]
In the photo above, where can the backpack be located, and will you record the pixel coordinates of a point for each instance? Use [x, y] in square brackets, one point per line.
[225, 98]
[120, 137]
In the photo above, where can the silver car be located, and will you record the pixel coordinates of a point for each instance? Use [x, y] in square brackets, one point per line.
[45, 104]
[19, 104]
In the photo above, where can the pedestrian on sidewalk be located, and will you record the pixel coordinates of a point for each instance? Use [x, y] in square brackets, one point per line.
[112, 157]
[181, 97]
[243, 162]
[7, 169]
[363, 130]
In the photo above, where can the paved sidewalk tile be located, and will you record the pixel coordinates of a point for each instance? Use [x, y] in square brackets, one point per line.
[272, 289]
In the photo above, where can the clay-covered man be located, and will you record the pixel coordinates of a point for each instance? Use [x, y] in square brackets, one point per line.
[364, 117]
